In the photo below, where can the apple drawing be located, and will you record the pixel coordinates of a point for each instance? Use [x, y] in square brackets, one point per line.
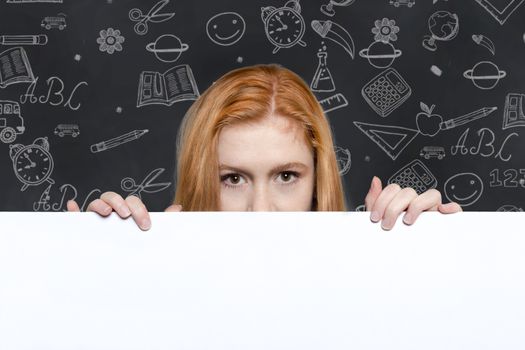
[428, 123]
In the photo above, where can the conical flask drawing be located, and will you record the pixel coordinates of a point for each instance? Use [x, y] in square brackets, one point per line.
[322, 81]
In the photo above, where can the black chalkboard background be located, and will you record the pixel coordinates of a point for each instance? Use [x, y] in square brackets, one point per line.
[104, 103]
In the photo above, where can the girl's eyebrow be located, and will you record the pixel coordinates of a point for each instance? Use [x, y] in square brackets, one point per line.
[278, 168]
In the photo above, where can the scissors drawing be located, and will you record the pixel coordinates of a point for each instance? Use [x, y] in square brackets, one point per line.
[129, 185]
[136, 15]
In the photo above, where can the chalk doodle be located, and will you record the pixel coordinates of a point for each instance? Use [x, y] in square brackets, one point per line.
[428, 152]
[44, 202]
[484, 41]
[485, 75]
[11, 121]
[167, 48]
[322, 80]
[428, 123]
[467, 118]
[381, 53]
[407, 3]
[443, 26]
[284, 26]
[336, 33]
[226, 28]
[54, 96]
[40, 39]
[32, 164]
[174, 85]
[147, 185]
[414, 175]
[51, 22]
[501, 15]
[15, 67]
[117, 141]
[514, 114]
[386, 92]
[464, 188]
[110, 40]
[333, 102]
[153, 15]
[328, 9]
[512, 178]
[62, 130]
[344, 160]
[485, 146]
[391, 139]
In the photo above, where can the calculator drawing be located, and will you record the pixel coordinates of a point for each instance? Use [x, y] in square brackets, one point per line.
[416, 175]
[386, 92]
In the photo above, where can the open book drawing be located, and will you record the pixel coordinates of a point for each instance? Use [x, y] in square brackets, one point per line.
[174, 85]
[15, 67]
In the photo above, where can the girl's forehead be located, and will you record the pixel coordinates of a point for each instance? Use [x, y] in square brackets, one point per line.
[271, 121]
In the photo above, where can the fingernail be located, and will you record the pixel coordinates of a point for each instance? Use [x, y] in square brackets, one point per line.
[386, 224]
[407, 219]
[374, 216]
[146, 224]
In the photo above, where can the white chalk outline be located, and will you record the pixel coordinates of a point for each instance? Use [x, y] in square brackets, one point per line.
[414, 175]
[329, 105]
[514, 109]
[336, 33]
[271, 14]
[20, 155]
[11, 121]
[152, 47]
[393, 88]
[15, 60]
[429, 40]
[322, 73]
[374, 131]
[469, 200]
[469, 74]
[225, 41]
[155, 88]
[500, 15]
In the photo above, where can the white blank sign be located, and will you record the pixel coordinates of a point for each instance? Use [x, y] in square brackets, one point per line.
[261, 281]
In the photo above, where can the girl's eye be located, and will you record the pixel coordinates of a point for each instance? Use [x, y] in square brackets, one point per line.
[234, 180]
[288, 175]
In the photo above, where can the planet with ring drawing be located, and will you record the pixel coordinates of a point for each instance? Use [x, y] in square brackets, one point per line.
[167, 48]
[380, 54]
[485, 75]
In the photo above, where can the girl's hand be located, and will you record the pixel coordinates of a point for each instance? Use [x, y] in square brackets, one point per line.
[131, 206]
[387, 204]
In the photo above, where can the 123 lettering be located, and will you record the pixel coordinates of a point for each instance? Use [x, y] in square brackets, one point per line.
[511, 178]
[55, 94]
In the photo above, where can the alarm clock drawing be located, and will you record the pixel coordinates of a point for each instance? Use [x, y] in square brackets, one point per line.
[32, 163]
[284, 26]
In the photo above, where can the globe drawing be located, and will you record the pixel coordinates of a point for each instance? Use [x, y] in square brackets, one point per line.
[443, 26]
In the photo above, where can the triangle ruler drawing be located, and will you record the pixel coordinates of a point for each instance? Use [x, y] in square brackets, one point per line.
[500, 15]
[391, 139]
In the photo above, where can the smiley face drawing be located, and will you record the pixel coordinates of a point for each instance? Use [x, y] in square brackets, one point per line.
[464, 188]
[225, 28]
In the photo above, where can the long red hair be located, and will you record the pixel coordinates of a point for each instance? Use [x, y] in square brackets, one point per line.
[250, 94]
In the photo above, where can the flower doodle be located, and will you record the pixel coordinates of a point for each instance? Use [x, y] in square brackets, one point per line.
[110, 40]
[385, 30]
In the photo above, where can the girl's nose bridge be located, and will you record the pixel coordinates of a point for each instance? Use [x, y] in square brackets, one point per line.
[261, 197]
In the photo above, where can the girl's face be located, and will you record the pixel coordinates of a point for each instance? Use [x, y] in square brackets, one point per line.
[266, 166]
